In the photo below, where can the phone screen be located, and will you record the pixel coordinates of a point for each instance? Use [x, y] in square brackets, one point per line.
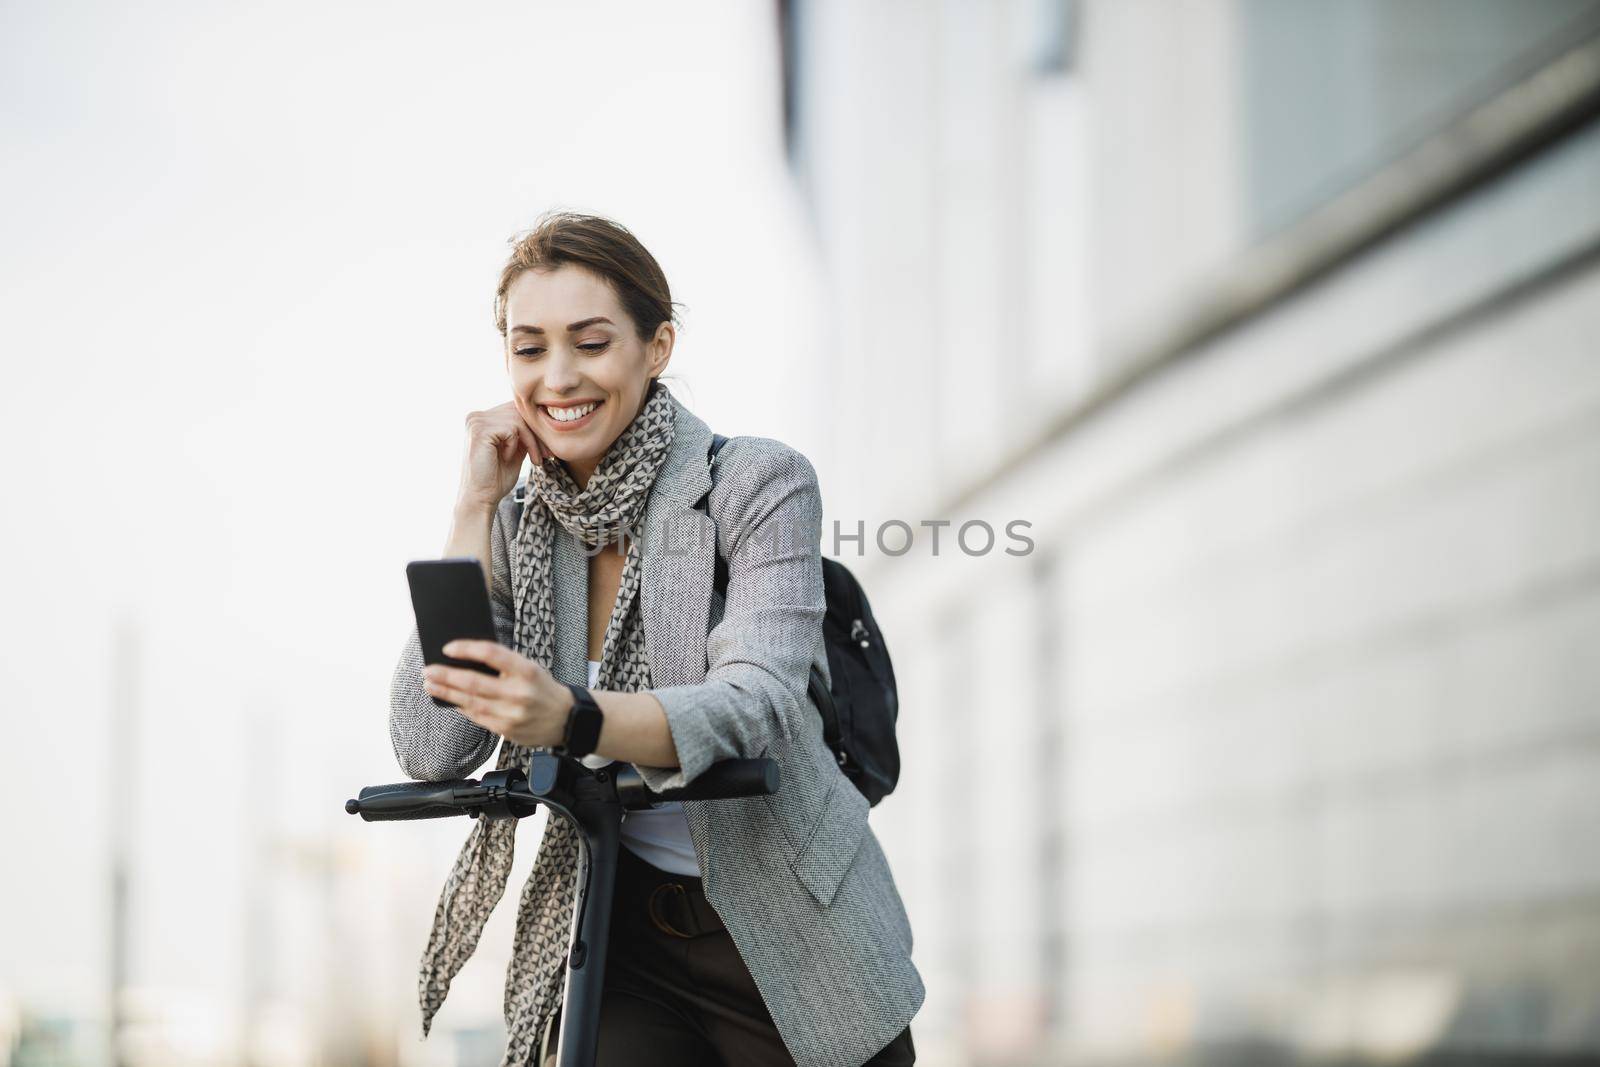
[450, 601]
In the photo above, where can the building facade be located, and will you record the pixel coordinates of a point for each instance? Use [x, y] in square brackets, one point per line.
[1277, 322]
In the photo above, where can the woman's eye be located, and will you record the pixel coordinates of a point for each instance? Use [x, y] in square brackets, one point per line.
[597, 346]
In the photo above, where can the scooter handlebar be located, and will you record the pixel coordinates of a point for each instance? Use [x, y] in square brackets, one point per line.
[720, 781]
[415, 800]
[469, 796]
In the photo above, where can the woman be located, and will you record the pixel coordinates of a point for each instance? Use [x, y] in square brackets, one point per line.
[765, 930]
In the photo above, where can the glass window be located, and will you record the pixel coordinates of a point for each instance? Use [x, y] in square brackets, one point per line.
[1334, 88]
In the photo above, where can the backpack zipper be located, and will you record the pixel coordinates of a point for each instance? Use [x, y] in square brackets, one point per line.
[858, 632]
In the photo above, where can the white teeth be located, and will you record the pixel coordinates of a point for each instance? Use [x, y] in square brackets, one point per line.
[568, 414]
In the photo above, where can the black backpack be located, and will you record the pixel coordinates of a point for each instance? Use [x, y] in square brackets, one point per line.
[859, 711]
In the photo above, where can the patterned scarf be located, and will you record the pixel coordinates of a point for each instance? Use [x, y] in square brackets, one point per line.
[614, 498]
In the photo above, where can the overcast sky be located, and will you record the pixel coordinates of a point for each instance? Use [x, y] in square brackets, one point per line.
[249, 260]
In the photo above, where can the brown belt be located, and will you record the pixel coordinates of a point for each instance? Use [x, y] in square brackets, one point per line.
[676, 904]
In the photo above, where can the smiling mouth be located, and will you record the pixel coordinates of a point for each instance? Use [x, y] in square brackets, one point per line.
[571, 415]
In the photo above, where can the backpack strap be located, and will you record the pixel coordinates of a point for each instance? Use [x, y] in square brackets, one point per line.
[719, 580]
[717, 441]
[520, 495]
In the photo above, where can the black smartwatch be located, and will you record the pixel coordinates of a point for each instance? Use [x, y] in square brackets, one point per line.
[583, 724]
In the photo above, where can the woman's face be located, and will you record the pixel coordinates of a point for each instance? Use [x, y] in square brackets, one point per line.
[571, 351]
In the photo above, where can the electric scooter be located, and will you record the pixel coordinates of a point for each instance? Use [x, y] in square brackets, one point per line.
[594, 800]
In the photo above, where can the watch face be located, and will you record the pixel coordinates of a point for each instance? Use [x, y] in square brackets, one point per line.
[583, 723]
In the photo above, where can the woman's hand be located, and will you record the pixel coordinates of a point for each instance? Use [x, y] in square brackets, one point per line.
[525, 704]
[497, 440]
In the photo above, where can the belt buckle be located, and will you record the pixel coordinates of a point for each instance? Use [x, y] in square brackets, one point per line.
[660, 922]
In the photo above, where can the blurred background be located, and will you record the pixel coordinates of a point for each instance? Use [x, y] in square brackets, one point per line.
[1277, 321]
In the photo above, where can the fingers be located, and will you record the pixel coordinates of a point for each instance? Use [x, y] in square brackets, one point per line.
[473, 683]
[475, 695]
[490, 653]
[530, 441]
[507, 433]
[510, 447]
[490, 701]
[509, 422]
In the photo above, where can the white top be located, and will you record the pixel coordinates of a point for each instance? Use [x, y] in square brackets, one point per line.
[658, 835]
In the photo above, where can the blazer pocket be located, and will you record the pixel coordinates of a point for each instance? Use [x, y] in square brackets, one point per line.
[827, 853]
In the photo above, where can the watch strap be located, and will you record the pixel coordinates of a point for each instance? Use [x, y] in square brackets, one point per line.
[583, 724]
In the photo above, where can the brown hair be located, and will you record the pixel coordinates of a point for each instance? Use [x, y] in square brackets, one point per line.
[604, 247]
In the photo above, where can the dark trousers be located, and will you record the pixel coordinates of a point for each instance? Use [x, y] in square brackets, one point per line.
[677, 992]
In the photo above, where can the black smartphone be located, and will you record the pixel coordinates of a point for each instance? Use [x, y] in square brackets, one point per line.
[450, 601]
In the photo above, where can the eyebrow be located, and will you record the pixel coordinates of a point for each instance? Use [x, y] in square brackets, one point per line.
[571, 327]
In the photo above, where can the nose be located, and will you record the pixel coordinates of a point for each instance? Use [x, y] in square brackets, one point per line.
[560, 371]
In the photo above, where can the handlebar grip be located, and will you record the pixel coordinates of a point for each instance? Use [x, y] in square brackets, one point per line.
[729, 779]
[410, 800]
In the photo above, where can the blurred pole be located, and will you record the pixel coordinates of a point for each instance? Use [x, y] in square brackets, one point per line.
[121, 793]
[1049, 763]
[260, 926]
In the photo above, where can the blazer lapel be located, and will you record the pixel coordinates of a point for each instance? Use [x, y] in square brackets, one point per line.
[677, 565]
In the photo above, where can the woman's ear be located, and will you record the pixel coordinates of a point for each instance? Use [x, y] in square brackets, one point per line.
[659, 352]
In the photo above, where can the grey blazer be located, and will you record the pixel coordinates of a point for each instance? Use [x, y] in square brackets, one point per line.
[799, 878]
